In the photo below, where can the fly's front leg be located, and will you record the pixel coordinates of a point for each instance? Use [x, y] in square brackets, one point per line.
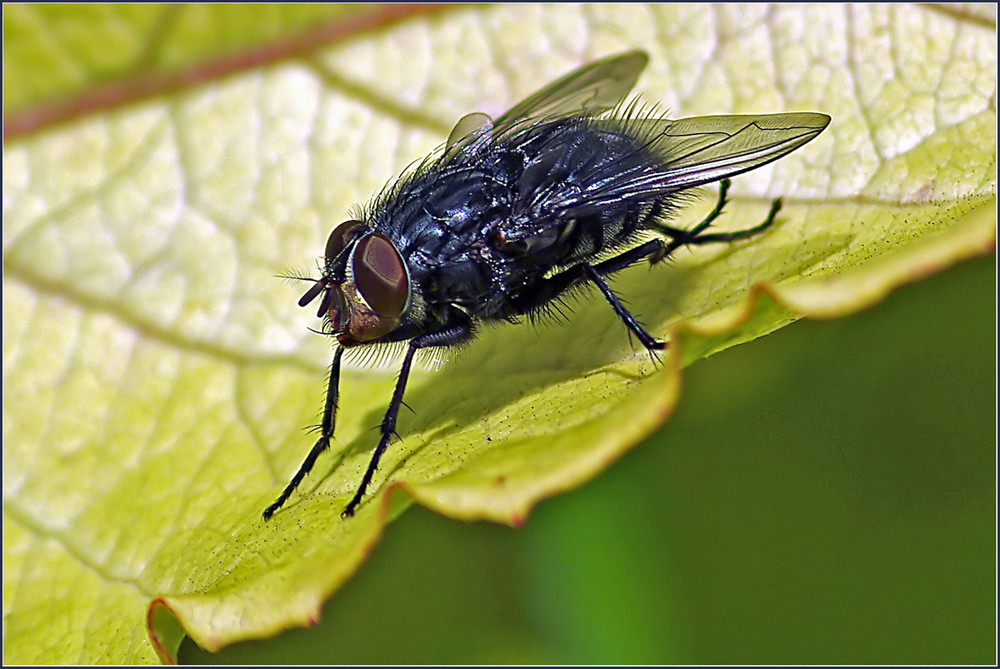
[446, 337]
[325, 435]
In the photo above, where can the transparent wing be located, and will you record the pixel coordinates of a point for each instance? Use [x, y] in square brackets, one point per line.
[591, 89]
[699, 150]
[703, 149]
[469, 126]
[689, 152]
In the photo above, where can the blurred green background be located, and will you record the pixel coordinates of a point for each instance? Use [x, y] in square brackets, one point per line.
[823, 495]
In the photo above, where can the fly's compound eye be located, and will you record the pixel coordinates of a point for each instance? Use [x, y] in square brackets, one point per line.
[380, 276]
[341, 237]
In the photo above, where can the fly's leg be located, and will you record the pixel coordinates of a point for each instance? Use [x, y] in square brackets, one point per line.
[447, 337]
[655, 250]
[649, 341]
[552, 287]
[695, 237]
[325, 435]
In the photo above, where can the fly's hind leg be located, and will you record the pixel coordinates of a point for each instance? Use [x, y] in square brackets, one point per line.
[695, 236]
[654, 250]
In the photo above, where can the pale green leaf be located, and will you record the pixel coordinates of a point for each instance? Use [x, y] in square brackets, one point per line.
[157, 377]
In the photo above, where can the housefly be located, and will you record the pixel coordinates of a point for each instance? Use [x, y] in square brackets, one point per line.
[565, 189]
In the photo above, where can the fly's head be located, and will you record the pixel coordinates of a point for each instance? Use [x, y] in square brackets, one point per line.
[365, 285]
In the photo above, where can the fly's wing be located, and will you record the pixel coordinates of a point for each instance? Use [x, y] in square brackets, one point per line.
[588, 90]
[695, 151]
[591, 89]
[704, 149]
[469, 126]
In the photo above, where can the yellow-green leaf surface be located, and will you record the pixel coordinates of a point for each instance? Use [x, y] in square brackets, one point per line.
[158, 377]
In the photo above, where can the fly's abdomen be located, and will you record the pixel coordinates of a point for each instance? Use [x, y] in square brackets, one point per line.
[554, 220]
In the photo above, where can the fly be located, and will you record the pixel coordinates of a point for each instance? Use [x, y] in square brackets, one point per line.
[561, 191]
